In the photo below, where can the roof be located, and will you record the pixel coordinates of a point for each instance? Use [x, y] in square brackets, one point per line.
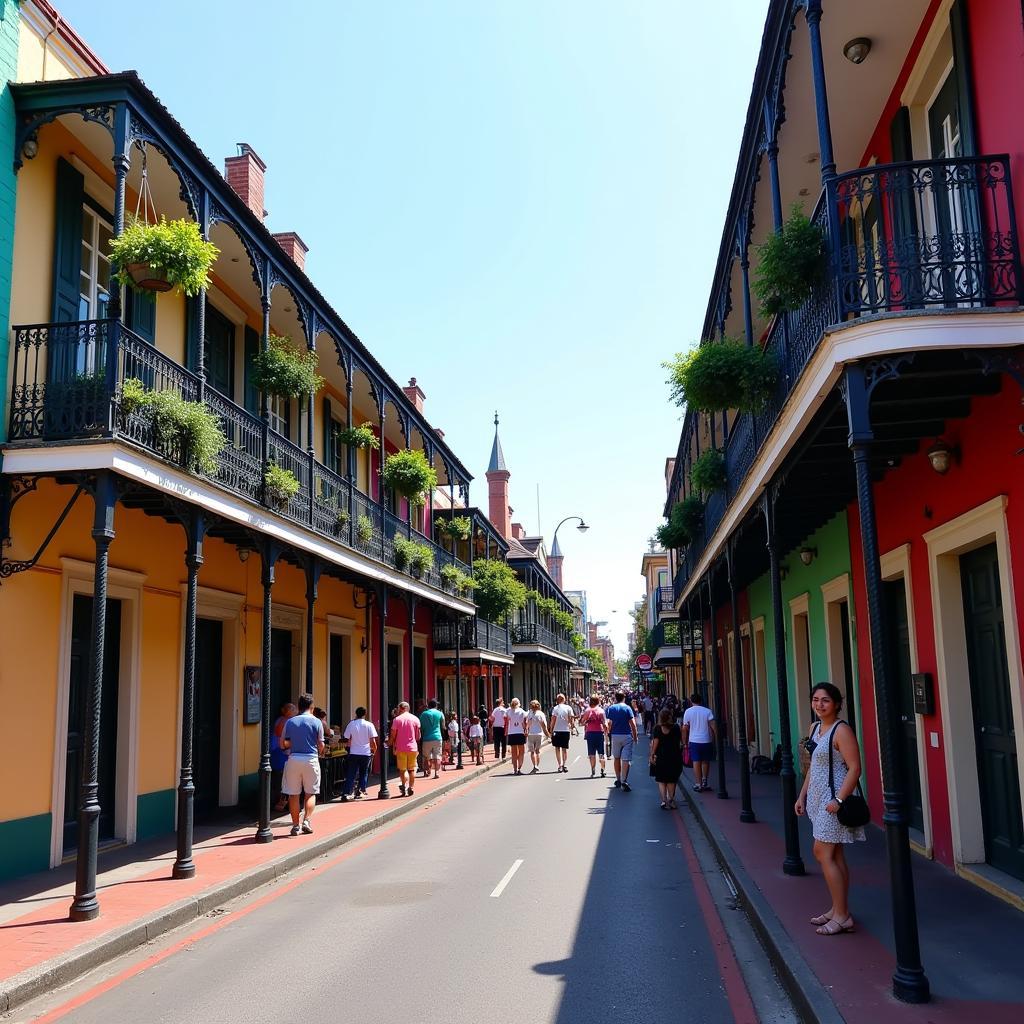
[556, 549]
[497, 463]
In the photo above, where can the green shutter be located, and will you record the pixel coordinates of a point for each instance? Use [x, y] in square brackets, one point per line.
[330, 445]
[904, 224]
[252, 346]
[191, 334]
[141, 314]
[964, 74]
[67, 248]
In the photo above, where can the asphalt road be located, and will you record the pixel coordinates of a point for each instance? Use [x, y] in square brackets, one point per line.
[614, 912]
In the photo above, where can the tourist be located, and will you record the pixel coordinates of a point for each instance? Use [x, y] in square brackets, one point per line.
[453, 736]
[821, 797]
[563, 722]
[497, 722]
[515, 729]
[303, 738]
[536, 730]
[362, 745]
[431, 724]
[699, 731]
[648, 711]
[621, 726]
[476, 740]
[667, 757]
[278, 756]
[404, 738]
[593, 720]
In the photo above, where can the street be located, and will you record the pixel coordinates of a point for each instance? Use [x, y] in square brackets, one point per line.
[543, 898]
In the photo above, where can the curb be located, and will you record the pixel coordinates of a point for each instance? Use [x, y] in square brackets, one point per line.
[36, 981]
[809, 995]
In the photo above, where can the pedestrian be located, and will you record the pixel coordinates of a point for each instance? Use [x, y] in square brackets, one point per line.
[648, 706]
[303, 738]
[621, 726]
[404, 738]
[431, 724]
[515, 728]
[476, 740]
[563, 723]
[453, 736]
[279, 756]
[593, 720]
[667, 757]
[362, 745]
[536, 730]
[699, 731]
[497, 720]
[818, 800]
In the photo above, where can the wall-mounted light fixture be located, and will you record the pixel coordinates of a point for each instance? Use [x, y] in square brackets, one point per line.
[807, 555]
[243, 554]
[941, 455]
[856, 50]
[30, 148]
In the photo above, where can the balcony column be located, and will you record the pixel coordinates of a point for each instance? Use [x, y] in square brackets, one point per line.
[264, 397]
[380, 489]
[812, 10]
[746, 810]
[383, 793]
[85, 906]
[909, 982]
[743, 251]
[310, 449]
[313, 571]
[458, 686]
[716, 682]
[350, 455]
[184, 865]
[200, 325]
[268, 559]
[793, 863]
[122, 162]
[411, 605]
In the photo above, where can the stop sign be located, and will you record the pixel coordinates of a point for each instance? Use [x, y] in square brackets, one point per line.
[643, 662]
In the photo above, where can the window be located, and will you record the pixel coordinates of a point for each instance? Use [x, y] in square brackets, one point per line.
[94, 276]
[279, 410]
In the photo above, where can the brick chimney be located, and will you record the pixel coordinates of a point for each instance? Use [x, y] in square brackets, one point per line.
[415, 394]
[244, 173]
[498, 510]
[294, 246]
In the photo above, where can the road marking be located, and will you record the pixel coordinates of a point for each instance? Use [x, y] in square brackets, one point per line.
[578, 756]
[500, 887]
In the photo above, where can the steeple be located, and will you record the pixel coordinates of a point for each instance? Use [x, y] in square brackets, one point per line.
[498, 510]
[556, 549]
[555, 559]
[497, 463]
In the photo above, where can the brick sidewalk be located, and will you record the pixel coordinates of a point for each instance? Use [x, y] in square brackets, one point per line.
[971, 941]
[40, 948]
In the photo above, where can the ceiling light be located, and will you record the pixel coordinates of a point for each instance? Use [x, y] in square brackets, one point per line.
[807, 555]
[856, 50]
[941, 456]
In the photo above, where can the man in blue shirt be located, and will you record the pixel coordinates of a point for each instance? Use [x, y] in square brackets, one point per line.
[431, 724]
[303, 738]
[622, 730]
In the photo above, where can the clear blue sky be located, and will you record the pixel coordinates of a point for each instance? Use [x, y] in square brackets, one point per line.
[519, 202]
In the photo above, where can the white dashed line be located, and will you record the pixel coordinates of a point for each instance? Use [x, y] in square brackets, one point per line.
[500, 887]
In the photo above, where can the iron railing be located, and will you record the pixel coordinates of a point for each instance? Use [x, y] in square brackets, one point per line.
[536, 633]
[475, 634]
[665, 599]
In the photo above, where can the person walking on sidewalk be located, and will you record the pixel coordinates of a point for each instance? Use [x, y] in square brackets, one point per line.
[667, 757]
[431, 725]
[593, 732]
[563, 721]
[536, 730]
[622, 731]
[817, 802]
[648, 705]
[303, 738]
[404, 739]
[362, 745]
[497, 722]
[515, 729]
[699, 734]
[476, 740]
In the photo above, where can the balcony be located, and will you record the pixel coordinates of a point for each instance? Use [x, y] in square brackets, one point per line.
[67, 386]
[665, 600]
[917, 238]
[477, 634]
[667, 634]
[533, 633]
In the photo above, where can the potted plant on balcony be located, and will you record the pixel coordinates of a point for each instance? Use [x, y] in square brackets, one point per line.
[457, 527]
[364, 529]
[498, 591]
[416, 558]
[792, 263]
[358, 437]
[280, 485]
[284, 371]
[409, 474]
[161, 256]
[683, 522]
[708, 474]
[719, 375]
[456, 580]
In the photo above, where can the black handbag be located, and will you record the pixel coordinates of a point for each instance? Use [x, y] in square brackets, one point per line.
[853, 811]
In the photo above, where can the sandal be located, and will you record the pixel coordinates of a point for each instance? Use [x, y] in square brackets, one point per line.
[673, 806]
[664, 807]
[834, 927]
[822, 919]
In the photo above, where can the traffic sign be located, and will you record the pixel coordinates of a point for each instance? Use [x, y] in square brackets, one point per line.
[643, 662]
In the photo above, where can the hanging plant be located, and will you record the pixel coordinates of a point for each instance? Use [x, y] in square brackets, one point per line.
[280, 485]
[409, 474]
[417, 558]
[708, 474]
[719, 375]
[358, 437]
[456, 580]
[499, 591]
[364, 529]
[458, 527]
[159, 257]
[683, 523]
[691, 515]
[284, 371]
[792, 263]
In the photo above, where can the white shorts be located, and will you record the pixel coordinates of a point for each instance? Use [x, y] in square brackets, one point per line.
[622, 747]
[300, 776]
[533, 742]
[432, 750]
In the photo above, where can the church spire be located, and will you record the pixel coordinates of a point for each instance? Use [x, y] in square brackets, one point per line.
[498, 508]
[497, 463]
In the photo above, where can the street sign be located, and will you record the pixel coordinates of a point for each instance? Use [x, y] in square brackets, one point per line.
[643, 662]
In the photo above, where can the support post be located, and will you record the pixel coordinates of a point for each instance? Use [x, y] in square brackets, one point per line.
[412, 651]
[200, 328]
[716, 682]
[458, 687]
[85, 906]
[264, 397]
[268, 558]
[909, 982]
[184, 865]
[383, 793]
[828, 160]
[793, 863]
[313, 570]
[746, 809]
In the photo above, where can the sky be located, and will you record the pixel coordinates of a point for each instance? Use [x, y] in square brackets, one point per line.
[518, 202]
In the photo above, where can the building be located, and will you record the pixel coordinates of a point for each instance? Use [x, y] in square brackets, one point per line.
[869, 528]
[668, 641]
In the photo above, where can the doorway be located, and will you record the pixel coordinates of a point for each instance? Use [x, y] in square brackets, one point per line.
[394, 670]
[281, 691]
[206, 731]
[78, 686]
[339, 689]
[219, 352]
[995, 741]
[419, 676]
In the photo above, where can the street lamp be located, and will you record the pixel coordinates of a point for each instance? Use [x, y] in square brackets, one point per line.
[582, 527]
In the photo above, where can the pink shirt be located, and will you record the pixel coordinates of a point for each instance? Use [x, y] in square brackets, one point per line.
[406, 730]
[594, 719]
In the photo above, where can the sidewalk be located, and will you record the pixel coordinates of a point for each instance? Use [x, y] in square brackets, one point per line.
[971, 941]
[40, 949]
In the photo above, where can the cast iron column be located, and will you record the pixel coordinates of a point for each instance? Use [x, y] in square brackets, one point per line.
[268, 556]
[746, 810]
[412, 660]
[793, 863]
[458, 685]
[909, 982]
[828, 160]
[85, 905]
[184, 865]
[382, 658]
[716, 682]
[312, 581]
[200, 324]
[265, 400]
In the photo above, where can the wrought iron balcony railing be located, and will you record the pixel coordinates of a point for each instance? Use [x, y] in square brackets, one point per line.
[665, 598]
[669, 632]
[477, 634]
[535, 633]
[68, 381]
[924, 236]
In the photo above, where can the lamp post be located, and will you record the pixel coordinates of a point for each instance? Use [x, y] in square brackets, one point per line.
[582, 527]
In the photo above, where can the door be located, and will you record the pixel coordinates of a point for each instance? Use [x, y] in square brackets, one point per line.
[219, 352]
[78, 686]
[206, 730]
[394, 668]
[281, 691]
[895, 598]
[995, 741]
[338, 709]
[849, 708]
[419, 675]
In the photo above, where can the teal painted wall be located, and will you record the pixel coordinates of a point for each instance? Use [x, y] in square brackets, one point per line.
[155, 814]
[24, 845]
[9, 24]
[832, 560]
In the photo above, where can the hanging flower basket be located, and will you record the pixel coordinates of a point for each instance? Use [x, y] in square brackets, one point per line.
[708, 473]
[280, 485]
[792, 263]
[683, 523]
[284, 371]
[720, 375]
[358, 437]
[408, 473]
[159, 257]
[458, 527]
[149, 279]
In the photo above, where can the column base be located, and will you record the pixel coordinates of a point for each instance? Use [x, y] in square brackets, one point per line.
[87, 910]
[383, 793]
[910, 986]
[793, 867]
[184, 869]
[264, 835]
[723, 794]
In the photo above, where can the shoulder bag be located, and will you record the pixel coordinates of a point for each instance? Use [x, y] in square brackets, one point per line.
[853, 811]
